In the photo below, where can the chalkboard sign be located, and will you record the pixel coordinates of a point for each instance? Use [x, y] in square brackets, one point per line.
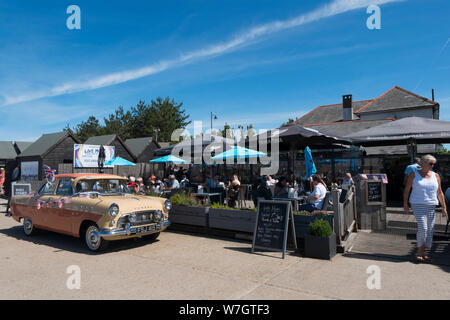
[273, 222]
[374, 192]
[20, 189]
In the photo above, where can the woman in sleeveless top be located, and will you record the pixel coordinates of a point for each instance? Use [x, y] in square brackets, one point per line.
[426, 193]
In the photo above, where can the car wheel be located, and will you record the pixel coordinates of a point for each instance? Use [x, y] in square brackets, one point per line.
[93, 240]
[28, 227]
[152, 237]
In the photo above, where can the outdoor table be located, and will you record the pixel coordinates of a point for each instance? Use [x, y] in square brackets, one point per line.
[208, 195]
[295, 201]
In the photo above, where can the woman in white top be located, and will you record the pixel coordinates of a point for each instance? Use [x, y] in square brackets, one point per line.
[317, 196]
[426, 193]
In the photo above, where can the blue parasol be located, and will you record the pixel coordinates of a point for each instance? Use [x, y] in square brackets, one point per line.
[238, 152]
[310, 167]
[168, 159]
[118, 161]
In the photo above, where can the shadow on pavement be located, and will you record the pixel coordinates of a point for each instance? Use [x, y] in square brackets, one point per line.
[67, 243]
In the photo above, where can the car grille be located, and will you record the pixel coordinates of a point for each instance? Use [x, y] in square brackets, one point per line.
[142, 218]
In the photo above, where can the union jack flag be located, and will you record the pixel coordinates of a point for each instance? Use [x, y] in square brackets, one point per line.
[49, 174]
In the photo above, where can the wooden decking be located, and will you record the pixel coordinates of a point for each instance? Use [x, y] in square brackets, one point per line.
[398, 242]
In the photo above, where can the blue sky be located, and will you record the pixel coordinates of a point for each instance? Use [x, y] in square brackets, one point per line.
[248, 61]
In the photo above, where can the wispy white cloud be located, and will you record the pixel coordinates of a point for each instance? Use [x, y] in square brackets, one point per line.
[241, 39]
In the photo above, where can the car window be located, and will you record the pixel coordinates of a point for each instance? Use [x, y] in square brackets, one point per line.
[64, 188]
[82, 186]
[100, 186]
[47, 188]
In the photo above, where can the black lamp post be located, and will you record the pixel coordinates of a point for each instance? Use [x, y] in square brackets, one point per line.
[215, 118]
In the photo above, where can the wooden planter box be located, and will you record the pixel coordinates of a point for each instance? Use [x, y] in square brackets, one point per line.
[302, 221]
[236, 220]
[320, 247]
[195, 216]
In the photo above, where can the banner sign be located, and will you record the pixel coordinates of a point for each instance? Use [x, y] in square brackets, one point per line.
[86, 155]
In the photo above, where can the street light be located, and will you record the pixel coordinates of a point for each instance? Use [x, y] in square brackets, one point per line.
[156, 133]
[215, 118]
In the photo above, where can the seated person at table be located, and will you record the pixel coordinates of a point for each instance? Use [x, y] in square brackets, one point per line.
[317, 196]
[212, 183]
[172, 183]
[281, 188]
[260, 190]
[184, 183]
[233, 191]
[270, 181]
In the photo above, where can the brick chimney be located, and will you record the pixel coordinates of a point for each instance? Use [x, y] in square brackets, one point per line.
[347, 109]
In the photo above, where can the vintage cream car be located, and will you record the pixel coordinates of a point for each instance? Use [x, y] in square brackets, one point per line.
[95, 207]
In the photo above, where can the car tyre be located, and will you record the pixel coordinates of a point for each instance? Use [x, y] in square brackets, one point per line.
[152, 237]
[28, 227]
[93, 240]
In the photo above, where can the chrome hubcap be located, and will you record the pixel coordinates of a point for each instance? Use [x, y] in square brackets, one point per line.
[93, 238]
[28, 226]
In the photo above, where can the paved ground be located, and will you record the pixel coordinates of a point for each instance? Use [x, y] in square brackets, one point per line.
[189, 266]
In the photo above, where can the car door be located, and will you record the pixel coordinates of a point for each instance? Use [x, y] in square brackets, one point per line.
[63, 215]
[42, 211]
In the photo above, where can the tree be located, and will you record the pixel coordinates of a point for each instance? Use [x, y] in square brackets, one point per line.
[118, 123]
[87, 129]
[289, 122]
[141, 120]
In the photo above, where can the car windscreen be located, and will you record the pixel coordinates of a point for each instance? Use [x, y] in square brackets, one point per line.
[105, 186]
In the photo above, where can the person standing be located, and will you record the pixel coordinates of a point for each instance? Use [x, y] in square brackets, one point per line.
[2, 180]
[409, 169]
[426, 193]
[348, 180]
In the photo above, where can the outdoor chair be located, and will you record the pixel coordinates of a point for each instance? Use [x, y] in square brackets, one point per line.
[326, 201]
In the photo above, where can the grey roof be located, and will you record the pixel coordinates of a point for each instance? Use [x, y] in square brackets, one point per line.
[328, 113]
[394, 99]
[98, 140]
[421, 129]
[138, 145]
[7, 150]
[344, 128]
[43, 144]
[22, 145]
[400, 149]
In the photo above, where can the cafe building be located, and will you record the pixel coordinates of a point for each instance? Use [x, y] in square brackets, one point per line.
[7, 153]
[143, 148]
[349, 116]
[50, 149]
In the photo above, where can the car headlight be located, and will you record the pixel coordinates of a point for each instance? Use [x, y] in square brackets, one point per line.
[132, 217]
[167, 205]
[157, 216]
[113, 210]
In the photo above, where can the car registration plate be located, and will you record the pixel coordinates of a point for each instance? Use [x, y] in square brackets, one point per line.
[145, 229]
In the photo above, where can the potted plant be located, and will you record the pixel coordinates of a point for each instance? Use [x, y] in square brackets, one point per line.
[224, 217]
[320, 241]
[186, 210]
[302, 219]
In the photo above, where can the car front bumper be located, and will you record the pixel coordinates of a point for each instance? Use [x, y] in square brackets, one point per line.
[132, 231]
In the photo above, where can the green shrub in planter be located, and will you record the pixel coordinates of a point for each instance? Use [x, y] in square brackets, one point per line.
[320, 241]
[320, 228]
[180, 199]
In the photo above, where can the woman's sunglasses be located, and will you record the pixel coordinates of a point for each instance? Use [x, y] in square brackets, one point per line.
[432, 164]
